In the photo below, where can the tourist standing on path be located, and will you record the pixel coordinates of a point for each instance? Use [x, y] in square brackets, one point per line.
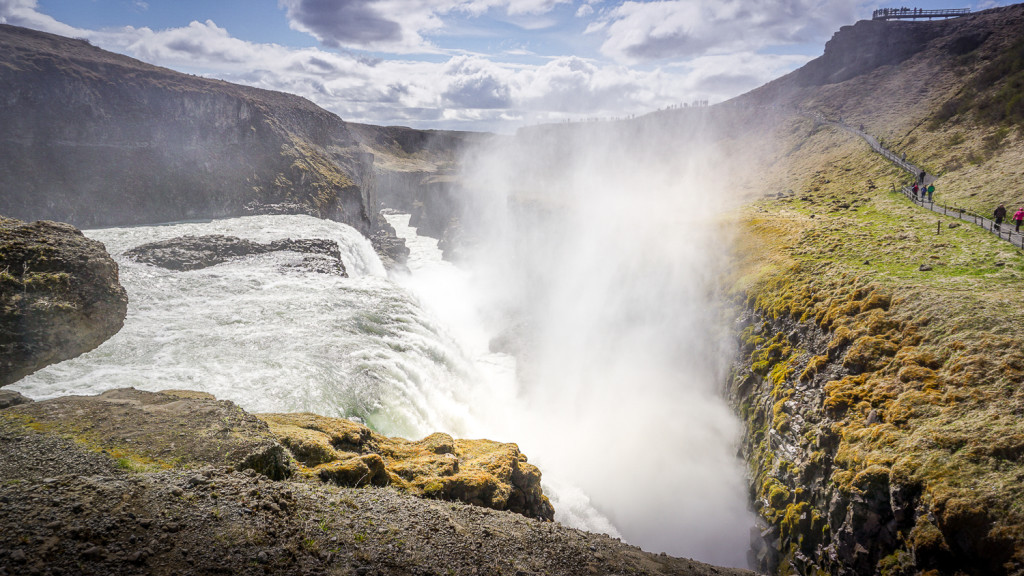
[1000, 213]
[1018, 217]
[915, 191]
[931, 190]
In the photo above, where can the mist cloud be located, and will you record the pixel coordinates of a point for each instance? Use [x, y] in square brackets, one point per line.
[600, 239]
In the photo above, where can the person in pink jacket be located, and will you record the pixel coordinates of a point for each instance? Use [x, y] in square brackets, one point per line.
[1018, 217]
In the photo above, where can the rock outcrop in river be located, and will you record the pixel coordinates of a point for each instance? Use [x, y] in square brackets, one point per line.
[59, 296]
[197, 252]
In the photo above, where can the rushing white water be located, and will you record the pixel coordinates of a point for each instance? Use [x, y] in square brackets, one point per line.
[273, 338]
[503, 411]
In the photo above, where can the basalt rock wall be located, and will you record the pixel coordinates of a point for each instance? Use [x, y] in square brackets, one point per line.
[808, 523]
[823, 388]
[429, 197]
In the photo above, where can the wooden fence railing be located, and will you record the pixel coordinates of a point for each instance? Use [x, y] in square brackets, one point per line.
[1005, 231]
[913, 13]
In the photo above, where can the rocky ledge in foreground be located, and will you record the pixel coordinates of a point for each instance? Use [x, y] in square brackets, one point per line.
[196, 252]
[59, 296]
[480, 472]
[132, 482]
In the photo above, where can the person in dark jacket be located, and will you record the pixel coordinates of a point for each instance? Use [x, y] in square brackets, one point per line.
[1000, 213]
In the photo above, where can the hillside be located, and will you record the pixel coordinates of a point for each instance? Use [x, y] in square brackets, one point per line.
[948, 93]
[95, 138]
[880, 344]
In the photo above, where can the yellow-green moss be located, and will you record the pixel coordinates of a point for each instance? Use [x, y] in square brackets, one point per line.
[775, 493]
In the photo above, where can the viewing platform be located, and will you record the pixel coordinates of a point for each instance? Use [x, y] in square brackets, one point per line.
[914, 13]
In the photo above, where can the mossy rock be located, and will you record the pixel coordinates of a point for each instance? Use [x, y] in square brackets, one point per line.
[357, 471]
[479, 472]
[868, 353]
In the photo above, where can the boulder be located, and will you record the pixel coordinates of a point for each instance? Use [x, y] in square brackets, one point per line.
[479, 472]
[10, 398]
[59, 296]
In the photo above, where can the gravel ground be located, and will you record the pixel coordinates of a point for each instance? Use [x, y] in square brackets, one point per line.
[70, 506]
[221, 521]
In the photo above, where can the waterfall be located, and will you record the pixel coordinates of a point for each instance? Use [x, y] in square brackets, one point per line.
[604, 246]
[271, 337]
[631, 446]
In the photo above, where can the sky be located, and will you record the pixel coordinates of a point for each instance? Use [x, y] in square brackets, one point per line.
[483, 65]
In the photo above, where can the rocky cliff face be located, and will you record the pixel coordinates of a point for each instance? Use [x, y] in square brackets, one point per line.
[868, 44]
[864, 433]
[880, 401]
[95, 138]
[429, 197]
[825, 385]
[812, 523]
[418, 172]
[59, 296]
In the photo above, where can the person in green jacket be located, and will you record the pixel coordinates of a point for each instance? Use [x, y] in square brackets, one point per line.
[931, 190]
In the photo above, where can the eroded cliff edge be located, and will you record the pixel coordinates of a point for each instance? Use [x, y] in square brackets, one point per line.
[179, 482]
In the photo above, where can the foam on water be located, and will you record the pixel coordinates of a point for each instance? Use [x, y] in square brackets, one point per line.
[274, 338]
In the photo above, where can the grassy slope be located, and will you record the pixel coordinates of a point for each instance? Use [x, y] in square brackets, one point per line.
[956, 114]
[947, 360]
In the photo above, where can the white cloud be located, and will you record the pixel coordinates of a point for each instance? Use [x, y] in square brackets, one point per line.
[584, 10]
[722, 75]
[398, 26]
[533, 6]
[24, 13]
[676, 29]
[475, 83]
[476, 92]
